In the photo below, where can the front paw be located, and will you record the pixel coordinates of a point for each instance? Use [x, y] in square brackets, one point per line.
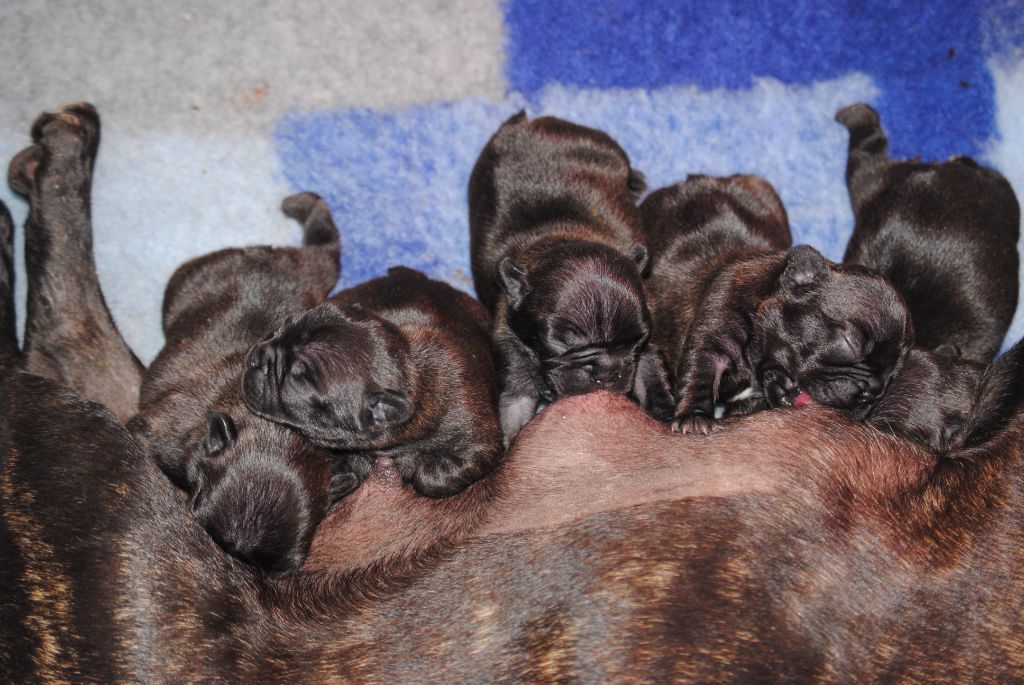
[693, 424]
[514, 412]
[341, 485]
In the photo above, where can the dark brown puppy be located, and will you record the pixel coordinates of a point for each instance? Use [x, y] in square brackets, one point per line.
[845, 348]
[699, 232]
[256, 486]
[795, 321]
[558, 255]
[945, 234]
[397, 368]
[69, 320]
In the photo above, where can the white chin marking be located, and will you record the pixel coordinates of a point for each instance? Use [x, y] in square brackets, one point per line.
[741, 395]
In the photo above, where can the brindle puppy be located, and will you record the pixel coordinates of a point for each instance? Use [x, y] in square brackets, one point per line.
[399, 368]
[257, 487]
[795, 321]
[945, 234]
[700, 231]
[558, 255]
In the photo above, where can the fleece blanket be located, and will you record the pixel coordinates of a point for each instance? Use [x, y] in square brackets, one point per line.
[214, 110]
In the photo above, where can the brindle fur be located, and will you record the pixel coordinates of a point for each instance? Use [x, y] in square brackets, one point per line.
[69, 335]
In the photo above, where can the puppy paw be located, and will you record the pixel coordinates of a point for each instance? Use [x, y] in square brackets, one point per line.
[341, 485]
[693, 424]
[21, 173]
[72, 130]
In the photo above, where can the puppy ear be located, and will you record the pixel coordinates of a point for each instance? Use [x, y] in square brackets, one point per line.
[805, 267]
[1000, 399]
[386, 408]
[221, 433]
[513, 281]
[638, 253]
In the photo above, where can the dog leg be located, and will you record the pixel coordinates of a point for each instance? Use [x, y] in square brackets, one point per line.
[9, 353]
[70, 336]
[652, 388]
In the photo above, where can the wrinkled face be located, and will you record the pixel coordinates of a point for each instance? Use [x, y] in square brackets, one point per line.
[837, 332]
[585, 324]
[256, 487]
[336, 374]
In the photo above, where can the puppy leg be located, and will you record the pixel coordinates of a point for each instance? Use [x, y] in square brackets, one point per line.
[652, 389]
[69, 334]
[713, 348]
[347, 473]
[868, 150]
[9, 354]
[449, 472]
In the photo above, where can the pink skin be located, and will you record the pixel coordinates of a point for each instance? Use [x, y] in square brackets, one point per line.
[802, 399]
[598, 452]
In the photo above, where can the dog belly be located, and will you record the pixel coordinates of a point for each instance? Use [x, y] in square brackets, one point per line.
[592, 453]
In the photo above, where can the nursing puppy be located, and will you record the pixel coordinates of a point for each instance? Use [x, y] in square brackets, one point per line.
[850, 349]
[945, 234]
[700, 232]
[399, 368]
[558, 256]
[255, 485]
[795, 321]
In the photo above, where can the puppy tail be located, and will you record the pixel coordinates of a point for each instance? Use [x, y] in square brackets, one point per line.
[312, 212]
[867, 139]
[9, 355]
[1000, 399]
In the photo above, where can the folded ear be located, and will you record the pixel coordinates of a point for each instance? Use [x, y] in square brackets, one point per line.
[221, 433]
[513, 281]
[386, 408]
[805, 267]
[639, 255]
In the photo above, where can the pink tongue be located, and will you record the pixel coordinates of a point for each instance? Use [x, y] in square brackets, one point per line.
[802, 399]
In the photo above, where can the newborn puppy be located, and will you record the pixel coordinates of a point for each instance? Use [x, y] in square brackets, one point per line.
[558, 256]
[795, 321]
[255, 485]
[945, 234]
[842, 349]
[399, 367]
[700, 232]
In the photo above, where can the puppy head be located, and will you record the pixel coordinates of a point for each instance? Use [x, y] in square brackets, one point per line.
[581, 313]
[837, 332]
[337, 374]
[259, 491]
[256, 487]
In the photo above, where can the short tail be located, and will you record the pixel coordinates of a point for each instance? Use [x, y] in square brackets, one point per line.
[867, 139]
[9, 355]
[312, 212]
